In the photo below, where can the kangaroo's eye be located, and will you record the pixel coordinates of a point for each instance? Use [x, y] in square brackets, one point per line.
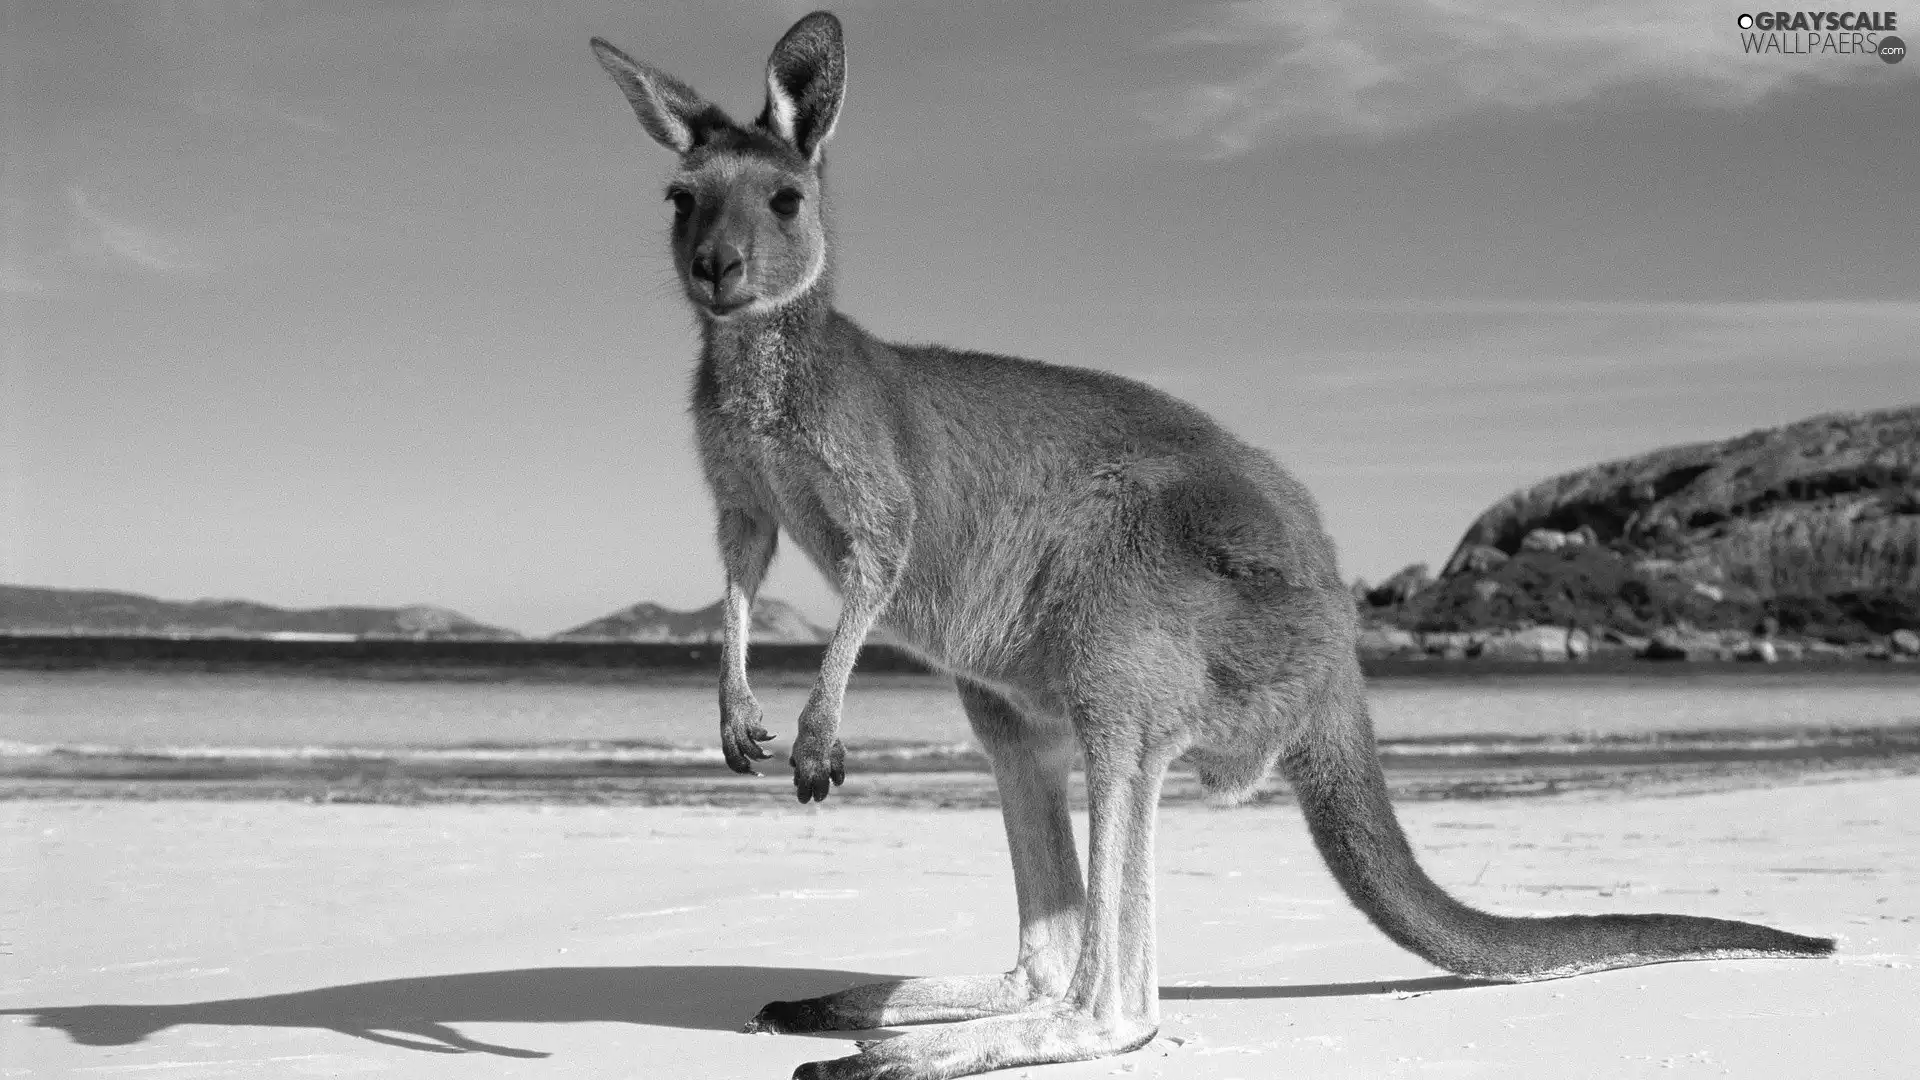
[682, 201]
[785, 202]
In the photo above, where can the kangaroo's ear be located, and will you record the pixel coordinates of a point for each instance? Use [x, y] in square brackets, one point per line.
[672, 113]
[806, 80]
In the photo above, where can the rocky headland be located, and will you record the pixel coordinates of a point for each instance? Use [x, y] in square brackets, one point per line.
[1796, 542]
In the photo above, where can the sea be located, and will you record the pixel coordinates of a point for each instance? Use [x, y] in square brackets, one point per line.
[148, 710]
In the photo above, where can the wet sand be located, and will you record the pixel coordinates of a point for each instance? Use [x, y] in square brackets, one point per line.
[249, 938]
[919, 774]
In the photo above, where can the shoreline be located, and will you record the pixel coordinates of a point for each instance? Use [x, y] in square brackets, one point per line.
[401, 659]
[918, 774]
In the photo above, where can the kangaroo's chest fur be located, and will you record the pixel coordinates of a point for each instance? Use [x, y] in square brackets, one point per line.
[766, 440]
[869, 473]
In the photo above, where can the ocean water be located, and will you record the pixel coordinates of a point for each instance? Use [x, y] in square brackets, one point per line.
[153, 710]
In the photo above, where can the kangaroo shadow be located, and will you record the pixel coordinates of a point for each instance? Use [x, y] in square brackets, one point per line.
[419, 1013]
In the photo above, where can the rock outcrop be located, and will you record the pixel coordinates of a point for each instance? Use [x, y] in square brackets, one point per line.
[1401, 587]
[1530, 643]
[1811, 530]
[1822, 507]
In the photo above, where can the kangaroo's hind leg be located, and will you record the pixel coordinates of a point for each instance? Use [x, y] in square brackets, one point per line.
[1111, 1003]
[1031, 764]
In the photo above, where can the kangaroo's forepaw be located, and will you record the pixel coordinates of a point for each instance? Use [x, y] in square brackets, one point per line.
[741, 733]
[790, 1018]
[817, 764]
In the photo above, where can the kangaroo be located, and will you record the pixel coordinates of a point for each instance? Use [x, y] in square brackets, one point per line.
[1110, 576]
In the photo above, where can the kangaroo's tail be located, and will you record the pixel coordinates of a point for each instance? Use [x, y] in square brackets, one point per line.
[1335, 771]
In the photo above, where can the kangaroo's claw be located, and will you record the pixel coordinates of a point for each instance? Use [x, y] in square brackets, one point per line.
[741, 734]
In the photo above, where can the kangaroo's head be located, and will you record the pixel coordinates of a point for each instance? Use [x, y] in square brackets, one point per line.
[749, 235]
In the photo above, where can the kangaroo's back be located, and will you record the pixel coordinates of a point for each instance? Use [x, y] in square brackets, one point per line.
[1024, 477]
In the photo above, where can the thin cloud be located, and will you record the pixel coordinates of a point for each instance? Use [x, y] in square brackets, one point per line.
[99, 234]
[1385, 66]
[232, 34]
[482, 26]
[17, 282]
[1501, 467]
[237, 105]
[1497, 351]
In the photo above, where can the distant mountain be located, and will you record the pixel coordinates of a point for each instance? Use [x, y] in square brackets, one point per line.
[26, 609]
[774, 621]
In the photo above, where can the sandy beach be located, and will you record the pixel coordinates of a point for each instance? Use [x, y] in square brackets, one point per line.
[269, 938]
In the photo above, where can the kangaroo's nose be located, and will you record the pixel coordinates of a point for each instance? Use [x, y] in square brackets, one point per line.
[720, 267]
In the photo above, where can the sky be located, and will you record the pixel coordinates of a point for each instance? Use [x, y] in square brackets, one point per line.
[370, 303]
